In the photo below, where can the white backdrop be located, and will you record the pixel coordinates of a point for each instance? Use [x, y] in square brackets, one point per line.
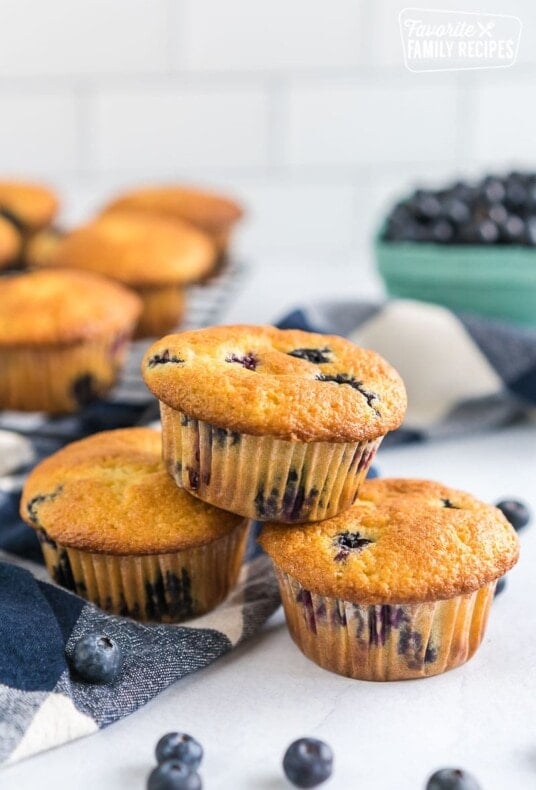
[303, 108]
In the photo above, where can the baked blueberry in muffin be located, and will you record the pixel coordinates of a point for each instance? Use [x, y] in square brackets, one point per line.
[272, 424]
[397, 586]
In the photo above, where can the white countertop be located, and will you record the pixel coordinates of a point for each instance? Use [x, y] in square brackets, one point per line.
[247, 707]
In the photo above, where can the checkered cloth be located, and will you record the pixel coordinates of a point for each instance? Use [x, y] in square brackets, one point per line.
[41, 703]
[462, 374]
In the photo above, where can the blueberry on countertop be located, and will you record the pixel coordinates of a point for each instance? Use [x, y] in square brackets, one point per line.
[97, 658]
[501, 584]
[308, 762]
[452, 779]
[173, 775]
[179, 747]
[517, 513]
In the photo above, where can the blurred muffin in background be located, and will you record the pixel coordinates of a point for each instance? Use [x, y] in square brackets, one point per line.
[63, 338]
[152, 255]
[10, 243]
[41, 247]
[28, 208]
[212, 213]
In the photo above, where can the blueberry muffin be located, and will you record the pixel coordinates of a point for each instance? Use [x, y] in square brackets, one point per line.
[214, 214]
[155, 257]
[115, 528]
[40, 249]
[10, 243]
[28, 208]
[272, 424]
[398, 586]
[63, 338]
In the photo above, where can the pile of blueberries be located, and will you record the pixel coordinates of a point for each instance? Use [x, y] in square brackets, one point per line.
[496, 210]
[178, 756]
[308, 762]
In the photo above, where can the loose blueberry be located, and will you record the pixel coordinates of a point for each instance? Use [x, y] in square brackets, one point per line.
[181, 747]
[456, 210]
[452, 779]
[308, 762]
[517, 513]
[487, 231]
[501, 584]
[493, 190]
[424, 205]
[530, 231]
[97, 658]
[498, 214]
[442, 231]
[513, 229]
[173, 775]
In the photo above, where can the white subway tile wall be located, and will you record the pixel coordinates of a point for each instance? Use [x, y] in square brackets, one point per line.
[301, 108]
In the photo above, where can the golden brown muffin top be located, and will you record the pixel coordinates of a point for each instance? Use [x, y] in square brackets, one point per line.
[403, 541]
[32, 205]
[137, 249]
[270, 382]
[61, 306]
[10, 242]
[202, 208]
[110, 493]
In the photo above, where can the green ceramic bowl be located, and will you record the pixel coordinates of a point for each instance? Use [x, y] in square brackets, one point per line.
[495, 281]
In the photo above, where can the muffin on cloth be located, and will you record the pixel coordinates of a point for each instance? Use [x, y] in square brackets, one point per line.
[154, 256]
[63, 338]
[115, 528]
[272, 424]
[10, 242]
[398, 586]
[212, 213]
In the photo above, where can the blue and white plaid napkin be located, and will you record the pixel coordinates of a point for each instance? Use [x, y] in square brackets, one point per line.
[461, 373]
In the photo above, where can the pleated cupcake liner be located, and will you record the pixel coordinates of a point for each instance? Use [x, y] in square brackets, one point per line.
[61, 378]
[385, 642]
[169, 587]
[262, 477]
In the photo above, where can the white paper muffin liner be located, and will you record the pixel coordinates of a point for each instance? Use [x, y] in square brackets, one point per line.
[385, 642]
[262, 477]
[167, 587]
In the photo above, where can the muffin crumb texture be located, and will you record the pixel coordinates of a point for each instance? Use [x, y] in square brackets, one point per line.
[399, 543]
[288, 384]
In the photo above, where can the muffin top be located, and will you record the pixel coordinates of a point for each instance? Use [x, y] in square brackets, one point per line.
[137, 249]
[10, 242]
[403, 541]
[284, 383]
[62, 306]
[207, 210]
[30, 205]
[110, 493]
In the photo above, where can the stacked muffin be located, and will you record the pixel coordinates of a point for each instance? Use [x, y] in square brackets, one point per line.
[278, 426]
[281, 426]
